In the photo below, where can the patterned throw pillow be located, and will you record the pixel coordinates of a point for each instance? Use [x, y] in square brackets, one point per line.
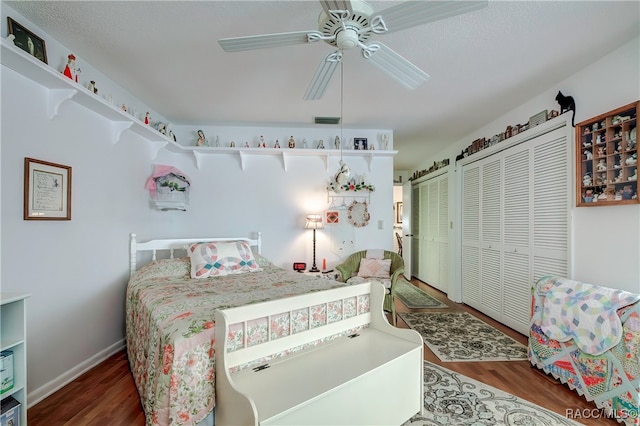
[375, 268]
[221, 258]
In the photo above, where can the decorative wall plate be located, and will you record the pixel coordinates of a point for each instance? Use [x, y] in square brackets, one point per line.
[358, 214]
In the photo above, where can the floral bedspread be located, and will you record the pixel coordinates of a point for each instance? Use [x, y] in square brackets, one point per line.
[610, 379]
[170, 330]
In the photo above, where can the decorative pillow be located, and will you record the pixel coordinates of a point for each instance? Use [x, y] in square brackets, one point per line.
[221, 258]
[375, 268]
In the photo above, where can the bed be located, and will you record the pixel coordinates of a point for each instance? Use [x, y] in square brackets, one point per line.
[170, 323]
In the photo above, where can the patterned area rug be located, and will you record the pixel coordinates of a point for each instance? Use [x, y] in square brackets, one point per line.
[453, 399]
[459, 336]
[415, 298]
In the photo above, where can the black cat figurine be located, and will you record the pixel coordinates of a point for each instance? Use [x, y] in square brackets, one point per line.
[567, 103]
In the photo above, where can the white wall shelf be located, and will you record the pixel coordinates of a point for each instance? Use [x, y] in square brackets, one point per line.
[286, 154]
[62, 89]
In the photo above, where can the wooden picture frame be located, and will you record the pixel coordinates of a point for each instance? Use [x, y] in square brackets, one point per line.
[399, 212]
[47, 190]
[27, 41]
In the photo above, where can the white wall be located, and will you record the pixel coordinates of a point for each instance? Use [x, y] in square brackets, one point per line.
[605, 240]
[77, 270]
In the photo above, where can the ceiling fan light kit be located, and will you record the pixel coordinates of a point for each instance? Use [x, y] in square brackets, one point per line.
[347, 24]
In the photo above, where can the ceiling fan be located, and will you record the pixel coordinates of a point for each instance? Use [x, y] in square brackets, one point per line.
[347, 24]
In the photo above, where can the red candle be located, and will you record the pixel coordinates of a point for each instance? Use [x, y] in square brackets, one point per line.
[324, 264]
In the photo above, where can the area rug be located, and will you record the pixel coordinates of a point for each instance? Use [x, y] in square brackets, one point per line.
[414, 298]
[453, 399]
[459, 336]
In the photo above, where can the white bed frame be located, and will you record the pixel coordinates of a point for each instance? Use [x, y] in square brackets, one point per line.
[171, 245]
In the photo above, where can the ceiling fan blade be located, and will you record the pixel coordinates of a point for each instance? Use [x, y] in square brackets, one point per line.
[328, 5]
[322, 76]
[397, 67]
[237, 44]
[411, 13]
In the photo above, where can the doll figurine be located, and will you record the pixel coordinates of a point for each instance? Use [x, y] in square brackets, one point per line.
[70, 69]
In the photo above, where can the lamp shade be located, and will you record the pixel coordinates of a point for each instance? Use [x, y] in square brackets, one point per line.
[314, 221]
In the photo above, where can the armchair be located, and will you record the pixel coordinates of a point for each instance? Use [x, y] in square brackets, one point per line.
[348, 270]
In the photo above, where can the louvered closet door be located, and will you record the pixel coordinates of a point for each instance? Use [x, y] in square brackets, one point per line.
[443, 234]
[491, 236]
[516, 275]
[471, 235]
[551, 204]
[415, 231]
[431, 259]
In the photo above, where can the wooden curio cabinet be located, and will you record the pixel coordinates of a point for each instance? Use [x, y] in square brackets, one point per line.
[607, 158]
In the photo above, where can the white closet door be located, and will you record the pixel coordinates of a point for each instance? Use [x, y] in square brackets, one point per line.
[551, 199]
[430, 259]
[516, 275]
[491, 236]
[415, 231]
[471, 290]
[443, 234]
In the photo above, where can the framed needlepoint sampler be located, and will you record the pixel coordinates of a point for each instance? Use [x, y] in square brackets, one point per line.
[607, 158]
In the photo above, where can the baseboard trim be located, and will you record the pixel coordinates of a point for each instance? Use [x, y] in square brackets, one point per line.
[56, 384]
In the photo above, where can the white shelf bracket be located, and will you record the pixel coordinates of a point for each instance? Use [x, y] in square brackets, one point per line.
[369, 159]
[325, 158]
[284, 160]
[198, 157]
[55, 98]
[155, 147]
[117, 127]
[242, 159]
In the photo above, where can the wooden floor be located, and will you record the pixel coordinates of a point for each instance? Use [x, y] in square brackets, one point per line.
[106, 395]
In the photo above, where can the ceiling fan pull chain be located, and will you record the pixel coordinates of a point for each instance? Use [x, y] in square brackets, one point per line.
[377, 25]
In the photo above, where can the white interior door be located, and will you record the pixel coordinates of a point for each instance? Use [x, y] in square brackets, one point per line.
[406, 229]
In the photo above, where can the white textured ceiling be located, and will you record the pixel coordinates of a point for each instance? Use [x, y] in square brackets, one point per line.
[481, 64]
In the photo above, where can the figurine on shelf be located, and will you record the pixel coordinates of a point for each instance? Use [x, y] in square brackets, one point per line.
[305, 145]
[587, 154]
[246, 144]
[627, 192]
[588, 196]
[202, 140]
[601, 151]
[70, 70]
[292, 142]
[602, 179]
[586, 180]
[320, 144]
[586, 144]
[232, 144]
[618, 177]
[634, 176]
[336, 142]
[632, 159]
[92, 87]
[385, 141]
[277, 144]
[147, 118]
[631, 144]
[124, 108]
[602, 165]
[261, 143]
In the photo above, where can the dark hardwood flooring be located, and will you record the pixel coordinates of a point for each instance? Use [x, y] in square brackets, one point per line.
[106, 395]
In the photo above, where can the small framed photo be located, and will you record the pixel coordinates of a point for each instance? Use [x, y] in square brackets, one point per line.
[47, 190]
[360, 144]
[27, 41]
[399, 212]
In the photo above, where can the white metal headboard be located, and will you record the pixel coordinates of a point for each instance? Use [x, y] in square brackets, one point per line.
[171, 245]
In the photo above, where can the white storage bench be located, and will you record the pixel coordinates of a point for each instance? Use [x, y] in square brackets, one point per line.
[323, 358]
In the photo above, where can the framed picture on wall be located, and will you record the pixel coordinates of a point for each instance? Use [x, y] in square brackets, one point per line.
[27, 41]
[399, 212]
[47, 190]
[360, 144]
